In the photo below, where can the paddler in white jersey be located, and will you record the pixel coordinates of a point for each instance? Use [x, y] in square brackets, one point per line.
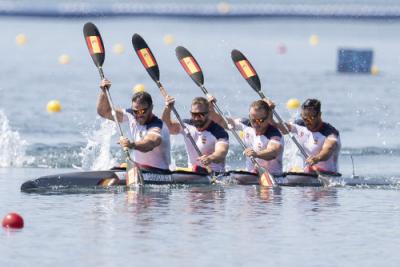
[264, 142]
[320, 140]
[151, 142]
[211, 139]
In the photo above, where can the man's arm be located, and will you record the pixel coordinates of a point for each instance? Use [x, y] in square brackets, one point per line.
[271, 152]
[173, 126]
[328, 147]
[219, 155]
[221, 150]
[103, 106]
[281, 127]
[274, 123]
[215, 117]
[149, 142]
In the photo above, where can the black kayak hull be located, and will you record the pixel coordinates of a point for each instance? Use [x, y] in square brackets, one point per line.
[117, 177]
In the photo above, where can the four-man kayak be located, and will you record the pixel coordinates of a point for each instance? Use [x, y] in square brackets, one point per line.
[117, 177]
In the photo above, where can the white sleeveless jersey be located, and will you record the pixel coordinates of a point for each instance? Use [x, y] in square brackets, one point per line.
[160, 156]
[312, 143]
[260, 142]
[206, 141]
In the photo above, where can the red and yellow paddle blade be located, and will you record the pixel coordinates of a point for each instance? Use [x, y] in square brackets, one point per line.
[266, 179]
[246, 69]
[94, 43]
[146, 56]
[190, 65]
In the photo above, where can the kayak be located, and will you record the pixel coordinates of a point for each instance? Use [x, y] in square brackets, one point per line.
[116, 177]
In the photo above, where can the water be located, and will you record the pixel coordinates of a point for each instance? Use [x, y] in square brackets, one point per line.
[207, 225]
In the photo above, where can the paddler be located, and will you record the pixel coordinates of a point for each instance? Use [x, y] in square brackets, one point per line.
[211, 139]
[320, 140]
[151, 141]
[264, 142]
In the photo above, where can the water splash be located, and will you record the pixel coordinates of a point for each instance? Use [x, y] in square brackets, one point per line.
[96, 155]
[292, 158]
[12, 147]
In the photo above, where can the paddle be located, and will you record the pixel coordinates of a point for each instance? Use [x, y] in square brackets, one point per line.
[96, 49]
[150, 64]
[193, 69]
[250, 75]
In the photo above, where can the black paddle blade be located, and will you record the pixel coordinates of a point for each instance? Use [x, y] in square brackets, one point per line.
[94, 43]
[190, 65]
[246, 69]
[146, 56]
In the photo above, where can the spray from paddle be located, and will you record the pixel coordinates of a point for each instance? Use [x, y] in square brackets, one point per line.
[12, 146]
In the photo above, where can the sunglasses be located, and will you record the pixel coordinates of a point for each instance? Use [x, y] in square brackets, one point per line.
[139, 112]
[308, 118]
[258, 121]
[198, 114]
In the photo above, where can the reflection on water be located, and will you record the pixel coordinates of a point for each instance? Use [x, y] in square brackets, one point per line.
[203, 204]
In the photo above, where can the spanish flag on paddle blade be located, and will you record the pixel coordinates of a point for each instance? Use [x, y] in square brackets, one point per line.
[190, 65]
[245, 69]
[94, 44]
[265, 179]
[146, 58]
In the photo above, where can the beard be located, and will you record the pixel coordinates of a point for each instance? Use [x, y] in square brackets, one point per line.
[199, 124]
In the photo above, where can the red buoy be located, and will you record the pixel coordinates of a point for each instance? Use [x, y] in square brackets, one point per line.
[13, 220]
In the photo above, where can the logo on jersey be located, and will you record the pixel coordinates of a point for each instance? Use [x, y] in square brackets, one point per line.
[315, 141]
[141, 134]
[203, 140]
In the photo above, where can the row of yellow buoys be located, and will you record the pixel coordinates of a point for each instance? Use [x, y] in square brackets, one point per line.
[54, 106]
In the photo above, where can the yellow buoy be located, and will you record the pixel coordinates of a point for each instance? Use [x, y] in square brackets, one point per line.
[374, 70]
[118, 48]
[64, 59]
[21, 39]
[139, 88]
[293, 103]
[53, 106]
[169, 39]
[224, 8]
[314, 40]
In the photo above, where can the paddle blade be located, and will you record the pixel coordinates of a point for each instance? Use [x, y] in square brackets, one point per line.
[146, 57]
[246, 69]
[132, 175]
[94, 43]
[190, 65]
[266, 179]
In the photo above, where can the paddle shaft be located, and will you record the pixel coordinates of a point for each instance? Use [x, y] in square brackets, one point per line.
[114, 114]
[178, 117]
[300, 147]
[230, 127]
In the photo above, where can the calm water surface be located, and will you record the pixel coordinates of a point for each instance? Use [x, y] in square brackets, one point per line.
[196, 225]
